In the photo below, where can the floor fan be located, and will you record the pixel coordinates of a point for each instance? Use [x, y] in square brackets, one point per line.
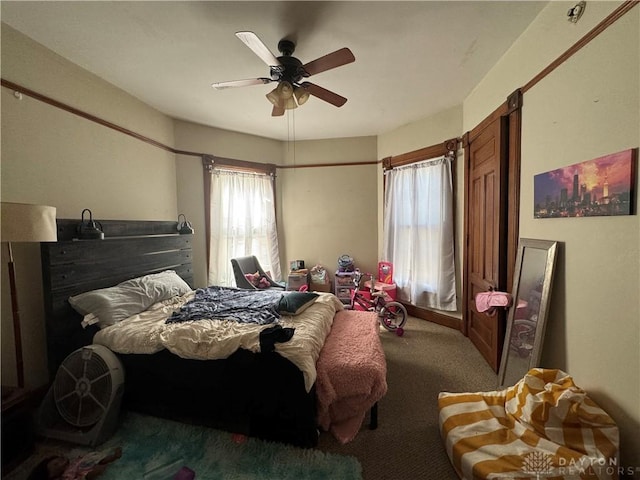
[83, 403]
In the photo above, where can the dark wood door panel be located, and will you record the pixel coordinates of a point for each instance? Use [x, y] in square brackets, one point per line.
[484, 154]
[484, 227]
[485, 233]
[484, 332]
[492, 193]
[484, 149]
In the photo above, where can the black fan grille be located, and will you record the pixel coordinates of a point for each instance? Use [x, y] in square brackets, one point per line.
[82, 388]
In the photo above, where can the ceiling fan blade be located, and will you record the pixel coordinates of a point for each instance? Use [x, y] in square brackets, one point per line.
[252, 41]
[240, 83]
[277, 111]
[329, 61]
[324, 94]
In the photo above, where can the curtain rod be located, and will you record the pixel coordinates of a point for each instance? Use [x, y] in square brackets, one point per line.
[447, 147]
[211, 161]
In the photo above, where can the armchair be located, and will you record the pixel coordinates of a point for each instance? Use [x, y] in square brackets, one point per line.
[250, 265]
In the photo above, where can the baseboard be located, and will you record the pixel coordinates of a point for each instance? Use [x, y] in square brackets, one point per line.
[435, 317]
[12, 396]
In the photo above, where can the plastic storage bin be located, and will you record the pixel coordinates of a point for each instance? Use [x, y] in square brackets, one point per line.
[296, 280]
[344, 286]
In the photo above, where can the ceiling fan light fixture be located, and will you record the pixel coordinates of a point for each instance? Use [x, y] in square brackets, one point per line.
[290, 103]
[274, 97]
[301, 95]
[285, 89]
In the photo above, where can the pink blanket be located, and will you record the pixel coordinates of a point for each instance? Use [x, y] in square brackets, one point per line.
[352, 373]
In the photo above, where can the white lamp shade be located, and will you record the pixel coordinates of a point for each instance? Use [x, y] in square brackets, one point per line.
[22, 222]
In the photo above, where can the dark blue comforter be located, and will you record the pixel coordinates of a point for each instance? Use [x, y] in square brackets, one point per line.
[245, 306]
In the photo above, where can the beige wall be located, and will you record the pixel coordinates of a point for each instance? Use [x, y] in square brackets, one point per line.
[330, 211]
[55, 158]
[586, 108]
[423, 133]
[322, 212]
[49, 155]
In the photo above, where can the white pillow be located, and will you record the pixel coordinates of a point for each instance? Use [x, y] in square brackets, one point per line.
[114, 304]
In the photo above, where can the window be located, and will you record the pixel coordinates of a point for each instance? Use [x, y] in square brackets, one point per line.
[418, 232]
[242, 222]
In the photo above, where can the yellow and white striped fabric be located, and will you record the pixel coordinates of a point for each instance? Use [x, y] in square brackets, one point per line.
[542, 427]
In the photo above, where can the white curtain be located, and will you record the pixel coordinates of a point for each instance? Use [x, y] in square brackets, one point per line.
[243, 222]
[418, 233]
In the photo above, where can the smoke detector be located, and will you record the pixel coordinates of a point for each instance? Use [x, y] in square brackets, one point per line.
[575, 12]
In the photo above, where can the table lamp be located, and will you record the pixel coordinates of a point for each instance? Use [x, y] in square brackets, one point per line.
[24, 223]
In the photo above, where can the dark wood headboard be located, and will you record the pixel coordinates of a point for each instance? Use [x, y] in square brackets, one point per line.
[69, 267]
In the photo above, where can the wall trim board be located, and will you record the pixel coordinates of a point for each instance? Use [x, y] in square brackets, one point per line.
[593, 33]
[105, 123]
[68, 108]
[333, 164]
[433, 316]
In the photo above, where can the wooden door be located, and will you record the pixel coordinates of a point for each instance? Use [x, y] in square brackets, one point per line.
[486, 253]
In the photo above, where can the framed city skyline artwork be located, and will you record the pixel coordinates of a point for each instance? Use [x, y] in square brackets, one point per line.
[604, 186]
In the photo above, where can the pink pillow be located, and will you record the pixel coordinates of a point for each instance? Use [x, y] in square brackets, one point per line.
[252, 278]
[257, 280]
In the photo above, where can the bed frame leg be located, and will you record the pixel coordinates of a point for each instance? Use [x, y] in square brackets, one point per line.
[373, 423]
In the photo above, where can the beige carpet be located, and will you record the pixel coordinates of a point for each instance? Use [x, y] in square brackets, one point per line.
[428, 359]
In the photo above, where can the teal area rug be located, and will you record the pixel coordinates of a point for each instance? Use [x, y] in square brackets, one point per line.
[150, 444]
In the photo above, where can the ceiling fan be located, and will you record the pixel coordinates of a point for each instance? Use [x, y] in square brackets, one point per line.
[290, 72]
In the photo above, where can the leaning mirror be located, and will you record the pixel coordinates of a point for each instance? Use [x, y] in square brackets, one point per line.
[532, 281]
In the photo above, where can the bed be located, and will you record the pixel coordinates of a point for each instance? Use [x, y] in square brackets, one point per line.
[262, 392]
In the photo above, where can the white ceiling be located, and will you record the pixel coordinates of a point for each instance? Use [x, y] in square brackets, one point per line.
[413, 59]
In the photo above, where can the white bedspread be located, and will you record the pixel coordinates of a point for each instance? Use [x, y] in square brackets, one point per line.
[147, 333]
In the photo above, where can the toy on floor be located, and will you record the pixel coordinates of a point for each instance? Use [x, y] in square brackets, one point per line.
[173, 470]
[239, 438]
[185, 473]
[392, 315]
[88, 466]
